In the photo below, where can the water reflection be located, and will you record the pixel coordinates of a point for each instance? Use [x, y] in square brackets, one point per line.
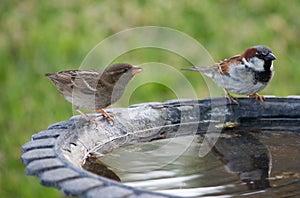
[243, 154]
[240, 163]
[94, 165]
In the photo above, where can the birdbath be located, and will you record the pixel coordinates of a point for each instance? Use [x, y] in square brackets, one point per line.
[58, 154]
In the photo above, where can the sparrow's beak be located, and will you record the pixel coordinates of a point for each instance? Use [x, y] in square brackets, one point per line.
[135, 70]
[270, 56]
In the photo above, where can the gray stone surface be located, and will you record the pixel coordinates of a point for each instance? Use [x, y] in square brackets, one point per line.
[55, 176]
[56, 155]
[47, 134]
[109, 192]
[39, 143]
[78, 186]
[144, 195]
[37, 154]
[39, 166]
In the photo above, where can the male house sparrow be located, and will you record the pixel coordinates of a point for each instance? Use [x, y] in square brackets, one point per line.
[244, 74]
[94, 89]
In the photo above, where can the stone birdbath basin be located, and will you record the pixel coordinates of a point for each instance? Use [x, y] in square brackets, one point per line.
[58, 155]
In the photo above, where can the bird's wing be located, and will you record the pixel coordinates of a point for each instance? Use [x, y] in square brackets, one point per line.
[223, 66]
[85, 81]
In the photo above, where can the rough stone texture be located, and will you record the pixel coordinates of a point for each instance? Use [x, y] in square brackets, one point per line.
[53, 177]
[144, 195]
[39, 166]
[56, 155]
[110, 192]
[38, 154]
[47, 134]
[39, 143]
[78, 186]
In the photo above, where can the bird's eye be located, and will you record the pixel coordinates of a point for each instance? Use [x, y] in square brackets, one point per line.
[122, 71]
[265, 52]
[262, 53]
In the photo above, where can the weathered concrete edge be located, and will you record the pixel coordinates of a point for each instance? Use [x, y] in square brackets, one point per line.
[44, 157]
[56, 171]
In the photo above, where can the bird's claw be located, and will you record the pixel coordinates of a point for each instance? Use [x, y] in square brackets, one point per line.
[231, 98]
[105, 114]
[257, 96]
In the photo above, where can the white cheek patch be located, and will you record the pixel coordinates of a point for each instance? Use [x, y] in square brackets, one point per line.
[272, 68]
[256, 64]
[245, 62]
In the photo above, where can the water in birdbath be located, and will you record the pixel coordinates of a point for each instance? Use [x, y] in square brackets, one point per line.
[240, 163]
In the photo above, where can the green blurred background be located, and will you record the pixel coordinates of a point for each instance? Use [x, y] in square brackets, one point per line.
[43, 36]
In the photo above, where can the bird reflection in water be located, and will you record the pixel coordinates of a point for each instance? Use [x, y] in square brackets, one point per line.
[94, 165]
[243, 154]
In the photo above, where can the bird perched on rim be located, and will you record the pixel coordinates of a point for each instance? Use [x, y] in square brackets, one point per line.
[245, 74]
[94, 89]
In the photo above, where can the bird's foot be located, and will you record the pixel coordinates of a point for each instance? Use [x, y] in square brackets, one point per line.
[257, 96]
[231, 98]
[105, 114]
[86, 117]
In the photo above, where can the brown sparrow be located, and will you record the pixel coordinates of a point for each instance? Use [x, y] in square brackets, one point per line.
[244, 74]
[94, 89]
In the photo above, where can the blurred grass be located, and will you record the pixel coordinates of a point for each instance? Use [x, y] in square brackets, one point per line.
[42, 36]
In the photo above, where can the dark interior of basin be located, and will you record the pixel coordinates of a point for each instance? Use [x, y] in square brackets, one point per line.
[260, 163]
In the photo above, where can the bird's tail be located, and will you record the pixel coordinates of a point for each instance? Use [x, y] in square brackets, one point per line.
[190, 68]
[203, 69]
[49, 75]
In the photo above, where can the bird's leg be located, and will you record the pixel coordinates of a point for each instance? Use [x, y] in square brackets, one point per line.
[105, 114]
[231, 98]
[257, 96]
[82, 113]
[86, 117]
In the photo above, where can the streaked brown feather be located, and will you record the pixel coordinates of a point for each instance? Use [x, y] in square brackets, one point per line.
[85, 81]
[224, 65]
[94, 89]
